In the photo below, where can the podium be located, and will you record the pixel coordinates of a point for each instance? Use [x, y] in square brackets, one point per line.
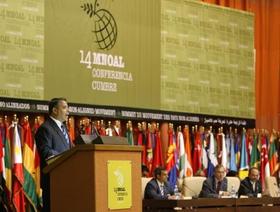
[79, 177]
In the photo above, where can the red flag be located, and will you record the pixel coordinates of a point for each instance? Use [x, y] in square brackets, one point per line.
[157, 159]
[170, 161]
[197, 155]
[71, 129]
[149, 150]
[189, 171]
[2, 162]
[18, 180]
[265, 171]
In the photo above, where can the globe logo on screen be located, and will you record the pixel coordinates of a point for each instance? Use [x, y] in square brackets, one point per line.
[105, 27]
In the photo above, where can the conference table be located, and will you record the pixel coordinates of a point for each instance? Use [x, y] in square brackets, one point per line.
[267, 204]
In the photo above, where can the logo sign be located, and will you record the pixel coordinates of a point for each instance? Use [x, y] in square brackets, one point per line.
[119, 184]
[104, 26]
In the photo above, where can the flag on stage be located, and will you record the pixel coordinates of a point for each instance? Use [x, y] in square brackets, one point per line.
[212, 162]
[149, 149]
[273, 156]
[30, 169]
[197, 155]
[243, 170]
[157, 159]
[224, 152]
[8, 161]
[18, 180]
[184, 165]
[186, 134]
[71, 129]
[232, 164]
[171, 158]
[255, 154]
[265, 171]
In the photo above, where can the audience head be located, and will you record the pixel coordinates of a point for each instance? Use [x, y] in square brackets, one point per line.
[161, 174]
[219, 172]
[254, 174]
[145, 171]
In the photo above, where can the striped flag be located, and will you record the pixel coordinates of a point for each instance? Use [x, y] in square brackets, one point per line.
[149, 149]
[265, 171]
[189, 170]
[18, 180]
[232, 164]
[197, 155]
[212, 162]
[244, 166]
[8, 161]
[31, 169]
[224, 152]
[273, 156]
[255, 155]
[171, 158]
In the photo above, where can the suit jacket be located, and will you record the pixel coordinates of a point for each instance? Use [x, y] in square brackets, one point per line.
[246, 188]
[152, 190]
[50, 141]
[209, 187]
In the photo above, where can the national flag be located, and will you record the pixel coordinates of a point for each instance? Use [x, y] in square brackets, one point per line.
[204, 152]
[232, 164]
[224, 152]
[265, 171]
[219, 147]
[129, 135]
[273, 156]
[255, 154]
[237, 147]
[184, 165]
[2, 152]
[157, 159]
[171, 158]
[30, 171]
[18, 180]
[71, 129]
[197, 155]
[141, 141]
[8, 161]
[244, 166]
[227, 141]
[149, 149]
[186, 134]
[212, 162]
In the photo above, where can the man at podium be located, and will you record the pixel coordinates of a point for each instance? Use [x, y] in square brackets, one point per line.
[52, 139]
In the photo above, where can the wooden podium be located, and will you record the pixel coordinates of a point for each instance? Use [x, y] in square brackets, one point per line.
[79, 179]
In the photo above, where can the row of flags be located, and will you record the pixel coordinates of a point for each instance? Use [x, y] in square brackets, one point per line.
[19, 166]
[197, 152]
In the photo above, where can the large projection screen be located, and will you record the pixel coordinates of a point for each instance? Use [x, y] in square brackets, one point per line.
[169, 55]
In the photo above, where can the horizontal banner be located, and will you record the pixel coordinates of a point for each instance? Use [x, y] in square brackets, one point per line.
[21, 105]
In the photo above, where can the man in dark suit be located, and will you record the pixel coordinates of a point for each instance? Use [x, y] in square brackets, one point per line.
[215, 186]
[251, 186]
[52, 139]
[158, 187]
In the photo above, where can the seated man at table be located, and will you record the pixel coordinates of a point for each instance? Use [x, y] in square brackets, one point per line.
[251, 186]
[215, 186]
[158, 187]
